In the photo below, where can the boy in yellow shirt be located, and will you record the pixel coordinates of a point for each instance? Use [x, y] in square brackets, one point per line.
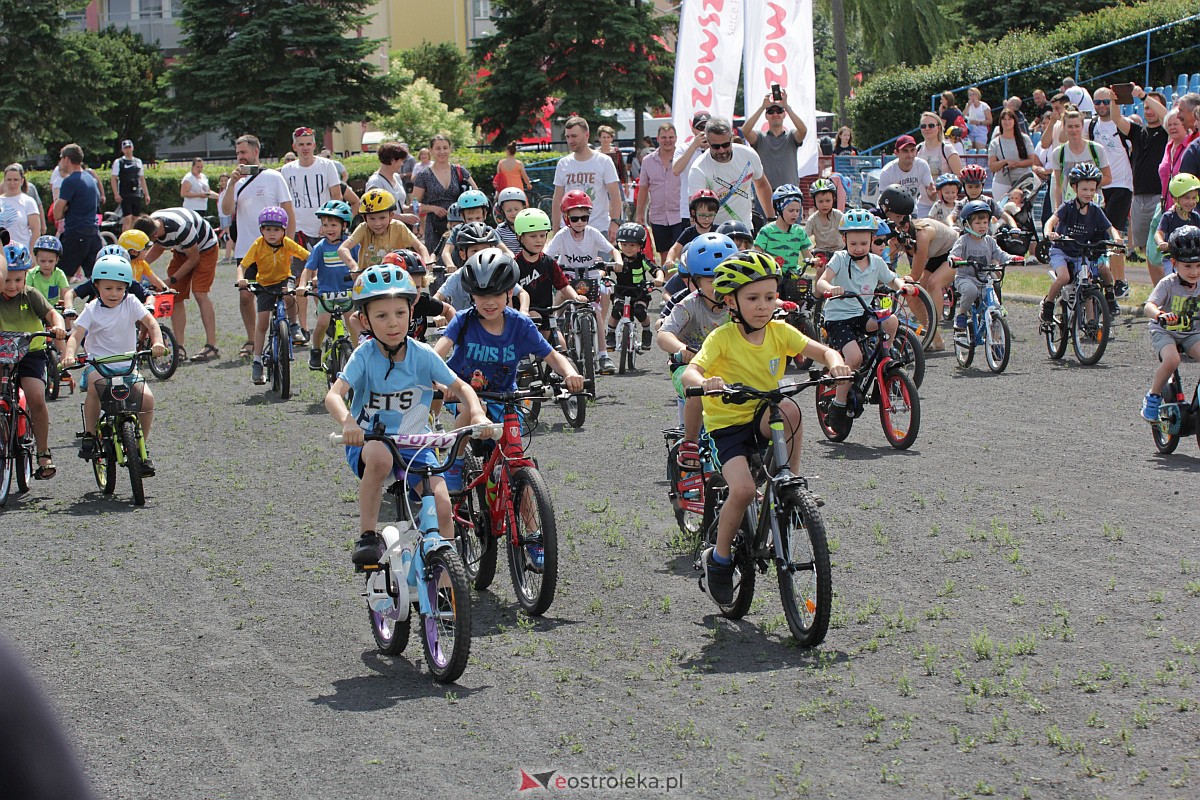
[269, 263]
[135, 243]
[752, 349]
[379, 234]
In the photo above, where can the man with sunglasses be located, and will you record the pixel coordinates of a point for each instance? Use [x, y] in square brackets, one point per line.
[731, 171]
[312, 181]
[778, 147]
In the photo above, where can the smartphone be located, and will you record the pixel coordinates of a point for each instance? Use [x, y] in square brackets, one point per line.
[776, 95]
[1124, 92]
[251, 169]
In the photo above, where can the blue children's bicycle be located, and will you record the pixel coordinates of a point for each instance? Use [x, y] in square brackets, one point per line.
[277, 352]
[418, 566]
[987, 326]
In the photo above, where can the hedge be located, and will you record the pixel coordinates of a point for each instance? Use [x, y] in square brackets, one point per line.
[163, 182]
[890, 102]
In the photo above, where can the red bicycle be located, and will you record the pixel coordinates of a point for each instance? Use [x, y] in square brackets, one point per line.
[507, 498]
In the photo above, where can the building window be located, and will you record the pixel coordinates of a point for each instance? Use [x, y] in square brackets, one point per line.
[483, 9]
[150, 9]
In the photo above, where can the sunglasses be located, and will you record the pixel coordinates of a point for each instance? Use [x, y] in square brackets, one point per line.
[1102, 102]
[579, 219]
[880, 241]
[774, 110]
[926, 126]
[296, 134]
[721, 146]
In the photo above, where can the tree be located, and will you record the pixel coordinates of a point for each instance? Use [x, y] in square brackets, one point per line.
[267, 66]
[992, 20]
[29, 40]
[902, 31]
[417, 113]
[585, 55]
[442, 64]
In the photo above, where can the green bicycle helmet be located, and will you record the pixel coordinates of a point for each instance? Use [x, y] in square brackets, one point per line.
[1181, 184]
[743, 269]
[382, 280]
[531, 220]
[821, 185]
[858, 219]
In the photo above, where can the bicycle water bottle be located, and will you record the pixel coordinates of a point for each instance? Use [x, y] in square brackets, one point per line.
[416, 208]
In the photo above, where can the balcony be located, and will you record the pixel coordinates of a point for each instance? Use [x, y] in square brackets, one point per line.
[164, 32]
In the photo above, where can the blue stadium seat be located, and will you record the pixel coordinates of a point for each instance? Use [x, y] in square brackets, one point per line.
[1194, 83]
[1182, 82]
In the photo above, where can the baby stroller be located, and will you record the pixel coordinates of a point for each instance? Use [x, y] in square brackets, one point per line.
[1016, 241]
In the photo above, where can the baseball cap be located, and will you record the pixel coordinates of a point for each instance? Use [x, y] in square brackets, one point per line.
[905, 141]
[126, 143]
[701, 118]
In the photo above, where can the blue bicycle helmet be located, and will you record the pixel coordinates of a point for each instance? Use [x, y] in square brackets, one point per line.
[17, 256]
[706, 252]
[112, 268]
[48, 242]
[454, 213]
[113, 250]
[858, 219]
[972, 208]
[337, 209]
[382, 280]
[787, 193]
[945, 179]
[472, 198]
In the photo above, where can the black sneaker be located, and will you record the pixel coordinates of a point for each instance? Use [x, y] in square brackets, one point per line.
[646, 338]
[314, 359]
[87, 448]
[367, 550]
[1120, 288]
[716, 580]
[1113, 306]
[148, 468]
[837, 418]
[610, 338]
[1047, 311]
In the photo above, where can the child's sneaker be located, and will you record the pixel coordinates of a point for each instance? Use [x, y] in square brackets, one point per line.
[1113, 306]
[606, 365]
[148, 467]
[647, 338]
[1121, 288]
[87, 448]
[716, 580]
[837, 418]
[1047, 319]
[367, 549]
[297, 333]
[1150, 406]
[535, 554]
[960, 330]
[610, 338]
[256, 374]
[314, 358]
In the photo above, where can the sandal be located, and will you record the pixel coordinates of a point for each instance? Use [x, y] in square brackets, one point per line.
[688, 456]
[45, 472]
[247, 349]
[208, 353]
[183, 356]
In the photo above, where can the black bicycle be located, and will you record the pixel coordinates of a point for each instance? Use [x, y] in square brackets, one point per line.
[17, 447]
[782, 527]
[1177, 417]
[1081, 310]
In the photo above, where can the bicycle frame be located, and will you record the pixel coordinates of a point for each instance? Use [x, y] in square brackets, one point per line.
[508, 455]
[120, 400]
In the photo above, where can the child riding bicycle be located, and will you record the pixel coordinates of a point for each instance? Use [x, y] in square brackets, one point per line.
[753, 349]
[1185, 188]
[976, 248]
[269, 263]
[392, 378]
[1174, 311]
[823, 225]
[331, 273]
[1085, 223]
[635, 277]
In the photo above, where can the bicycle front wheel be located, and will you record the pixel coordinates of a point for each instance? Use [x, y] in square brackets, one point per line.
[585, 345]
[23, 455]
[104, 465]
[1056, 332]
[1090, 327]
[130, 443]
[806, 578]
[901, 414]
[997, 341]
[53, 374]
[624, 348]
[7, 459]
[446, 632]
[164, 366]
[1165, 441]
[533, 542]
[282, 361]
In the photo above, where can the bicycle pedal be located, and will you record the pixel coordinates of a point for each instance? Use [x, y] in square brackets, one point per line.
[367, 567]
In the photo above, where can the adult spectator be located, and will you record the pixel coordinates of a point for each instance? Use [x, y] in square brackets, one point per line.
[1187, 106]
[436, 188]
[510, 172]
[32, 191]
[18, 212]
[77, 206]
[343, 173]
[1078, 96]
[1076, 150]
[732, 172]
[424, 159]
[951, 114]
[389, 177]
[406, 171]
[935, 151]
[1179, 138]
[1041, 107]
[686, 158]
[658, 193]
[843, 142]
[778, 147]
[912, 174]
[1118, 194]
[194, 188]
[1148, 140]
[129, 187]
[590, 172]
[607, 136]
[1011, 157]
[312, 181]
[1014, 103]
[928, 246]
[194, 250]
[252, 187]
[979, 120]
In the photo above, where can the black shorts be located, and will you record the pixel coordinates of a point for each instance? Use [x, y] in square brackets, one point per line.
[306, 242]
[80, 248]
[842, 332]
[131, 205]
[740, 440]
[665, 235]
[934, 263]
[33, 365]
[1117, 205]
[265, 300]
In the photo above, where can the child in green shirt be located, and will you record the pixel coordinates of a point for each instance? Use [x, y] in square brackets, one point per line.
[784, 238]
[48, 279]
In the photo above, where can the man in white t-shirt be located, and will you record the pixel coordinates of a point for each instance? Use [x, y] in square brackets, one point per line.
[1078, 97]
[733, 172]
[1118, 194]
[313, 181]
[252, 188]
[590, 172]
[912, 174]
[129, 185]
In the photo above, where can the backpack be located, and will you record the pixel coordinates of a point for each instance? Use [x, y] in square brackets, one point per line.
[1067, 189]
[1125, 141]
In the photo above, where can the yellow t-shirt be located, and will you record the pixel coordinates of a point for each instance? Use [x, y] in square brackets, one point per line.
[373, 248]
[727, 353]
[141, 269]
[274, 263]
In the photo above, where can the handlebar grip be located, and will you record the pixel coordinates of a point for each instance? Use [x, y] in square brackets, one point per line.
[693, 391]
[336, 439]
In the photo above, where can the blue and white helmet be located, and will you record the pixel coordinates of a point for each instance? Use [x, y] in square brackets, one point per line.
[112, 267]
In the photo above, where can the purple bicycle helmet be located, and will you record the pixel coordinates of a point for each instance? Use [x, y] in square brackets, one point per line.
[273, 215]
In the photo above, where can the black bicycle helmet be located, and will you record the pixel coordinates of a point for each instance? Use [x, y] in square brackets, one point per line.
[1086, 171]
[895, 200]
[737, 228]
[490, 271]
[631, 232]
[475, 233]
[1185, 244]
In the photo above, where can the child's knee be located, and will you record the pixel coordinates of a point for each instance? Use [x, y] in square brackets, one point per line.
[1170, 357]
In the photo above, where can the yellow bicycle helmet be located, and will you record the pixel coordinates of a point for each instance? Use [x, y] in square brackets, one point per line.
[742, 269]
[134, 240]
[376, 200]
[1183, 183]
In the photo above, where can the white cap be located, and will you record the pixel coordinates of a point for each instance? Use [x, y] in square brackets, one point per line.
[126, 143]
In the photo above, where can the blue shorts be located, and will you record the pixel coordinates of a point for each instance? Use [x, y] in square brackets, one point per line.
[399, 468]
[33, 365]
[739, 440]
[89, 369]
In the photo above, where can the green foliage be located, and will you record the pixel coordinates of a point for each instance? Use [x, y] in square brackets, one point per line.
[267, 66]
[901, 31]
[442, 64]
[586, 55]
[890, 102]
[994, 20]
[27, 61]
[417, 113]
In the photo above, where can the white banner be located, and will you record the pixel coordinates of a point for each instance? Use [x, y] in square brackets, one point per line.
[779, 49]
[708, 57]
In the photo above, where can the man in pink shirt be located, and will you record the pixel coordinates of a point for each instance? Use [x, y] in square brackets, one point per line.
[658, 193]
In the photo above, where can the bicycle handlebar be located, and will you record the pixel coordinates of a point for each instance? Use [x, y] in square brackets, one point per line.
[739, 393]
[413, 441]
[258, 288]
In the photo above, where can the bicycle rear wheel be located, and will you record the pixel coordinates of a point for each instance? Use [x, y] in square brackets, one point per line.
[686, 490]
[446, 632]
[908, 351]
[901, 417]
[165, 365]
[532, 518]
[964, 346]
[824, 397]
[1056, 331]
[391, 635]
[744, 572]
[997, 341]
[53, 374]
[7, 460]
[282, 358]
[133, 460]
[1090, 327]
[1165, 441]
[806, 580]
[917, 313]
